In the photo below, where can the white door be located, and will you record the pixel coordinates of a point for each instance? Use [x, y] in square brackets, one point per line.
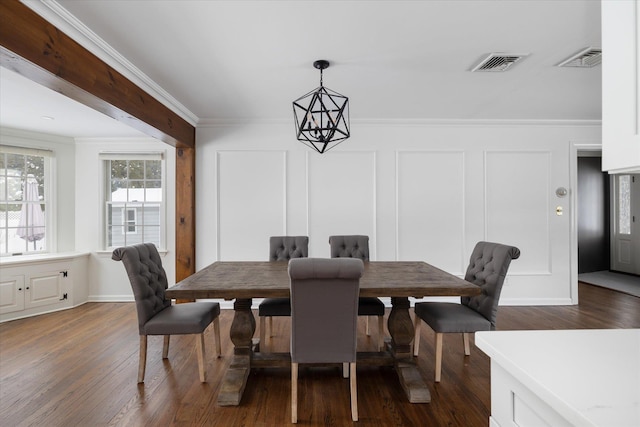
[625, 235]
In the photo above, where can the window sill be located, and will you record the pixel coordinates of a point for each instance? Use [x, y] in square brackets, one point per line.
[28, 259]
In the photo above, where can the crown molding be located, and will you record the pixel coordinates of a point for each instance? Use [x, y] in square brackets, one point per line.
[57, 15]
[209, 122]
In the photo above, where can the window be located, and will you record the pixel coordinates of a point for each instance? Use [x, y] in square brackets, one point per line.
[24, 189]
[624, 204]
[134, 202]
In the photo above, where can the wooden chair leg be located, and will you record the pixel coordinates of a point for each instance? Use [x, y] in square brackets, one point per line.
[465, 340]
[165, 347]
[294, 392]
[200, 345]
[366, 326]
[354, 391]
[216, 334]
[438, 356]
[380, 333]
[270, 326]
[263, 333]
[142, 363]
[416, 337]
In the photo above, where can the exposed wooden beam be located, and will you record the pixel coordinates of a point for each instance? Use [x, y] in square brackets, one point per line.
[36, 49]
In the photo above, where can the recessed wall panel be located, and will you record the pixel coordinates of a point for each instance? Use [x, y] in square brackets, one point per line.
[517, 205]
[430, 208]
[251, 203]
[342, 189]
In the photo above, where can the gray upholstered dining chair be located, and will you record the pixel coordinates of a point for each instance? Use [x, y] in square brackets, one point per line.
[487, 268]
[281, 248]
[357, 246]
[156, 314]
[324, 313]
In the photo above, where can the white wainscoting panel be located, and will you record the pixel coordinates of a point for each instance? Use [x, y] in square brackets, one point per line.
[251, 203]
[431, 208]
[517, 206]
[343, 185]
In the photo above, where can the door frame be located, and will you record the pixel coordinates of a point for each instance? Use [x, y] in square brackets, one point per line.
[574, 147]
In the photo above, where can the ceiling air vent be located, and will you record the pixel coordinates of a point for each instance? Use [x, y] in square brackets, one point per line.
[586, 58]
[497, 62]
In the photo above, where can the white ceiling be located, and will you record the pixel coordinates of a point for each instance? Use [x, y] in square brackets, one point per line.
[395, 60]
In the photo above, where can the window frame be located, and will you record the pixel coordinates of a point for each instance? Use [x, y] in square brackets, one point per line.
[105, 158]
[48, 200]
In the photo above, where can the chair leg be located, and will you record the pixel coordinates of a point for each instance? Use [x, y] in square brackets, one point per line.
[465, 340]
[294, 392]
[366, 326]
[263, 333]
[354, 391]
[165, 347]
[416, 337]
[380, 333]
[270, 326]
[216, 333]
[438, 356]
[200, 345]
[345, 370]
[142, 363]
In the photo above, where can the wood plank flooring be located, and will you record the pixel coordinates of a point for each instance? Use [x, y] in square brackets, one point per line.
[78, 368]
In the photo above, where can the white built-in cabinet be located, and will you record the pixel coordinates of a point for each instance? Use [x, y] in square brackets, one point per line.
[31, 290]
[35, 285]
[621, 86]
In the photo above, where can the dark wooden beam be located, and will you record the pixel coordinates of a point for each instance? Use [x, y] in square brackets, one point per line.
[36, 49]
[185, 212]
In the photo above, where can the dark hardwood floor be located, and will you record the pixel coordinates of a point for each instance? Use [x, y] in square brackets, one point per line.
[78, 368]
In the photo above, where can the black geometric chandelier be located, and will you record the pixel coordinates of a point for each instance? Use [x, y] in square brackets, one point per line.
[322, 116]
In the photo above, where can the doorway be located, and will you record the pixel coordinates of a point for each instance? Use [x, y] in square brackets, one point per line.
[594, 252]
[626, 223]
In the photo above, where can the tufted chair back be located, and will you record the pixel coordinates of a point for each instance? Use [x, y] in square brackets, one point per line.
[283, 248]
[324, 309]
[487, 268]
[147, 277]
[350, 247]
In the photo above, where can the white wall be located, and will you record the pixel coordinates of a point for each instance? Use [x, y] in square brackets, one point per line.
[108, 280]
[421, 191]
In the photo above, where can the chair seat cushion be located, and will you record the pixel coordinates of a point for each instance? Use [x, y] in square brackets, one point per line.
[370, 306]
[187, 318]
[275, 307]
[451, 317]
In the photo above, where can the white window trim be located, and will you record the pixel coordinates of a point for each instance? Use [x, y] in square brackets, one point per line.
[133, 155]
[49, 194]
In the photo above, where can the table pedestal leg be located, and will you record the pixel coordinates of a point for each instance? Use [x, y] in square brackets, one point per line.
[401, 330]
[242, 330]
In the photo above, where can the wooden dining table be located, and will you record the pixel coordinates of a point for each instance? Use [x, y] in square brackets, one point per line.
[242, 281]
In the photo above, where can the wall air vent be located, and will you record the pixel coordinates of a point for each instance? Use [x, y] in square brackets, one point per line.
[498, 62]
[586, 58]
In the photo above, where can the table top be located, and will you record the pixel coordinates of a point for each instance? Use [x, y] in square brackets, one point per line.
[590, 377]
[248, 279]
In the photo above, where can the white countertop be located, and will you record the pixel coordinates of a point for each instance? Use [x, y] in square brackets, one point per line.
[590, 377]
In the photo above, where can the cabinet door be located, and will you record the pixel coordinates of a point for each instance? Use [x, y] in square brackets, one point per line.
[11, 294]
[621, 86]
[43, 289]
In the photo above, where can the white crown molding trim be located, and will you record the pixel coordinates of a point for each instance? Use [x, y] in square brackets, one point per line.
[57, 15]
[210, 122]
